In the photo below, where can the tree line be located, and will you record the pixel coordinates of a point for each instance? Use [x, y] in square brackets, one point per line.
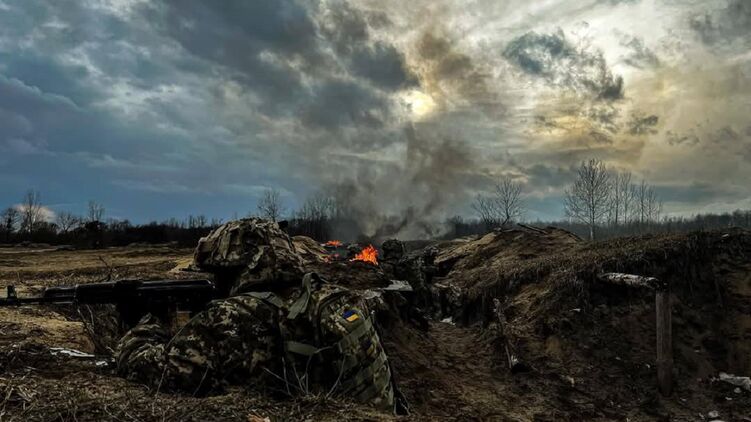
[600, 203]
[31, 222]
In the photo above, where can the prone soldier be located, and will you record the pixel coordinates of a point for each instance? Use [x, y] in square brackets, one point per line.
[277, 328]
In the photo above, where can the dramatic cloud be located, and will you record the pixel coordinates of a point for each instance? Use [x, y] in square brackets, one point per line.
[643, 125]
[639, 56]
[729, 22]
[556, 60]
[167, 108]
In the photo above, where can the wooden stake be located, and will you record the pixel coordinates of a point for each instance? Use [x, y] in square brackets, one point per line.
[663, 316]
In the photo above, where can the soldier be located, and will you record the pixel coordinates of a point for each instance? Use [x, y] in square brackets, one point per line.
[273, 330]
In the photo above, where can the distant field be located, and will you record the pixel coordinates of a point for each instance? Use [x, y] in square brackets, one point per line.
[45, 267]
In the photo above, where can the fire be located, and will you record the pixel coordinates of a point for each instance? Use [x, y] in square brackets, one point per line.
[333, 243]
[369, 254]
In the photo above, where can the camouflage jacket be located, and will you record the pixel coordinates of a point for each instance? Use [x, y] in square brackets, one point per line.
[322, 340]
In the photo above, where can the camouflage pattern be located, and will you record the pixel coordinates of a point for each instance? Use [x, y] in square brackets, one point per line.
[419, 269]
[321, 339]
[249, 253]
[335, 332]
[330, 347]
[232, 342]
[361, 362]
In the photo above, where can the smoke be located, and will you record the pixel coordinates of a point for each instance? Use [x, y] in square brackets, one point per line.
[410, 199]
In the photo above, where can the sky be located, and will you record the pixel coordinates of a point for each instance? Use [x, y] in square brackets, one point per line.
[161, 109]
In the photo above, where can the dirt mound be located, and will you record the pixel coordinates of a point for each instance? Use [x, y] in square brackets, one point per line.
[471, 261]
[569, 327]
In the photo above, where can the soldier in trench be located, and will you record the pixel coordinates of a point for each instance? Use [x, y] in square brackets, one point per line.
[278, 329]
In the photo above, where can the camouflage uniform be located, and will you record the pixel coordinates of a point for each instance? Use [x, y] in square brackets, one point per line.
[323, 331]
[249, 254]
[232, 341]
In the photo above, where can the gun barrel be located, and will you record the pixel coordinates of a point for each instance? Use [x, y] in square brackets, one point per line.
[117, 292]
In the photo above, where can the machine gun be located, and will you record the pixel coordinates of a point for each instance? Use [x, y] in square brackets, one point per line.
[132, 298]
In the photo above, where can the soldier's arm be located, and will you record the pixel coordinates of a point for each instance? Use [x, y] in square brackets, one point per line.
[229, 342]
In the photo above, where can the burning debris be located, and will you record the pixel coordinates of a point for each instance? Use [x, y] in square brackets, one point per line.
[339, 251]
[333, 244]
[368, 254]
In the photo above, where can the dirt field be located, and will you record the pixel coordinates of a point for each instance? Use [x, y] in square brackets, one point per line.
[589, 348]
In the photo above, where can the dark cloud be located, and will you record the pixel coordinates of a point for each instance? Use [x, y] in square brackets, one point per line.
[544, 176]
[696, 192]
[639, 56]
[605, 117]
[383, 65]
[278, 50]
[337, 103]
[726, 24]
[349, 32]
[688, 139]
[557, 61]
[643, 125]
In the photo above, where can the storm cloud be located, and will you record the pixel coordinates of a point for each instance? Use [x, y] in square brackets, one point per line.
[168, 108]
[556, 60]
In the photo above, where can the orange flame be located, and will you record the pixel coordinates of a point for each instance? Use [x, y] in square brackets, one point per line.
[369, 254]
[333, 243]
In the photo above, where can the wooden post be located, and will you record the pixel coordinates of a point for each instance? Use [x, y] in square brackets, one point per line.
[663, 314]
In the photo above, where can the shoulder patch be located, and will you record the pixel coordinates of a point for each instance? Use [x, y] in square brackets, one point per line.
[350, 315]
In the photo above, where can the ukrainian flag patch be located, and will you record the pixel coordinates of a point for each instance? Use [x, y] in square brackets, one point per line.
[350, 316]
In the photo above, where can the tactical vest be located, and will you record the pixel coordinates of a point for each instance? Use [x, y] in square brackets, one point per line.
[329, 340]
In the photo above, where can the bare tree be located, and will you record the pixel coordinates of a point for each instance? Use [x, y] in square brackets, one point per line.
[31, 211]
[9, 218]
[587, 200]
[66, 221]
[508, 199]
[270, 206]
[654, 206]
[647, 205]
[315, 214]
[620, 197]
[95, 212]
[642, 193]
[487, 210]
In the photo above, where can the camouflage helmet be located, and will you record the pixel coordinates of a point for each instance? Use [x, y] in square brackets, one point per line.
[245, 254]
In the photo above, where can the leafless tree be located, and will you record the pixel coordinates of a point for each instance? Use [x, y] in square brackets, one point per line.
[654, 206]
[198, 221]
[95, 212]
[587, 200]
[647, 205]
[317, 207]
[315, 214]
[66, 221]
[620, 198]
[270, 205]
[642, 192]
[31, 211]
[9, 218]
[508, 199]
[487, 210]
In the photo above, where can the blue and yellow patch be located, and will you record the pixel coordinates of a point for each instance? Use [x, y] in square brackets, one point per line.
[350, 315]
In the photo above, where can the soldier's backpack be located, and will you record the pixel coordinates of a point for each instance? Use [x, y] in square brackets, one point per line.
[331, 346]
